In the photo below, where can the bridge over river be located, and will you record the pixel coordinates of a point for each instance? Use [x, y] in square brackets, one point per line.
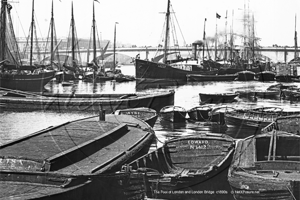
[125, 55]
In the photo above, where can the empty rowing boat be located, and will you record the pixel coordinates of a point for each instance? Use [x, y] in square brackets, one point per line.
[185, 162]
[72, 160]
[199, 113]
[173, 113]
[266, 166]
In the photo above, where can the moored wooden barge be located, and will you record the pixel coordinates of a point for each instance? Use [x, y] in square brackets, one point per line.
[75, 160]
[86, 102]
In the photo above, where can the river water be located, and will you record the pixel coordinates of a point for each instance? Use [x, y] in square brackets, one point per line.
[15, 125]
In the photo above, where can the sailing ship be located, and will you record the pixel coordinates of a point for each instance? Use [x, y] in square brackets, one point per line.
[289, 72]
[96, 72]
[71, 67]
[14, 75]
[168, 69]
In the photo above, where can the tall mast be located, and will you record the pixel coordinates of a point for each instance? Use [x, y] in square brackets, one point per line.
[231, 39]
[244, 39]
[94, 35]
[296, 45]
[253, 40]
[31, 36]
[73, 36]
[203, 40]
[167, 32]
[216, 36]
[52, 37]
[3, 29]
[225, 53]
[114, 56]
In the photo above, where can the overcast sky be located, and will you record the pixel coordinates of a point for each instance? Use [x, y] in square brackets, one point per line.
[141, 21]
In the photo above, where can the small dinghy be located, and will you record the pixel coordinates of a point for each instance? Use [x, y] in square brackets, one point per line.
[199, 113]
[173, 113]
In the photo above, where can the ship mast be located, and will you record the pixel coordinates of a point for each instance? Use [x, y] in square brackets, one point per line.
[73, 36]
[203, 41]
[114, 56]
[94, 35]
[52, 37]
[225, 52]
[3, 28]
[31, 35]
[167, 32]
[253, 41]
[296, 45]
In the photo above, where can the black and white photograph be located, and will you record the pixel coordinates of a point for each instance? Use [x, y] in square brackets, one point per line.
[149, 100]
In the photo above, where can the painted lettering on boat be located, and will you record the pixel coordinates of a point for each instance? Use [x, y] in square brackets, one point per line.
[183, 67]
[198, 144]
[161, 65]
[204, 146]
[134, 113]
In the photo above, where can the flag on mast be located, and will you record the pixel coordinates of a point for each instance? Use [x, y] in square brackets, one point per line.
[218, 16]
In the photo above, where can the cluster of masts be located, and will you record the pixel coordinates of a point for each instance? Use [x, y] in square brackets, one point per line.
[10, 50]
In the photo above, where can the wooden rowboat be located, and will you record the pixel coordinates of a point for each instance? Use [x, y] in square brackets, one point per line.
[218, 97]
[199, 113]
[184, 163]
[266, 166]
[146, 114]
[255, 119]
[86, 102]
[289, 123]
[265, 76]
[259, 93]
[75, 160]
[173, 114]
[217, 114]
[245, 75]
